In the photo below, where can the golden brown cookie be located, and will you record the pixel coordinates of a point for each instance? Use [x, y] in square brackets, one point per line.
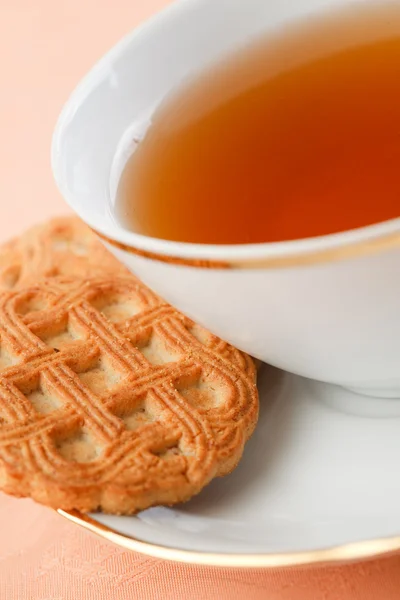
[64, 246]
[110, 399]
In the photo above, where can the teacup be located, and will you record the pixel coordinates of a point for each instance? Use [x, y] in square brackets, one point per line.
[326, 308]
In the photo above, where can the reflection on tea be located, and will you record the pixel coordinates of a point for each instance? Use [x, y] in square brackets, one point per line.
[294, 137]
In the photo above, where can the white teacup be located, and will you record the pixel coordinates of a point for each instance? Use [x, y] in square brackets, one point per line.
[326, 308]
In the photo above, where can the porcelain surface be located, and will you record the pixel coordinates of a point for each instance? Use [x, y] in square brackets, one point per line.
[325, 308]
[312, 478]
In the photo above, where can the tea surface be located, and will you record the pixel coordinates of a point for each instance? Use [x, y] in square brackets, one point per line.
[291, 138]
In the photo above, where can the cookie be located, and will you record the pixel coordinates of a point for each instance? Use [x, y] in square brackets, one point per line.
[61, 247]
[112, 400]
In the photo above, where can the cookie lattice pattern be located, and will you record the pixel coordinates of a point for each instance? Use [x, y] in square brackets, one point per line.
[111, 399]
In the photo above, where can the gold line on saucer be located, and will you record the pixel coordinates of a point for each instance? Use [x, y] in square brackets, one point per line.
[346, 553]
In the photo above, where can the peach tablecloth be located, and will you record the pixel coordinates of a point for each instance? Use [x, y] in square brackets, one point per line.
[45, 47]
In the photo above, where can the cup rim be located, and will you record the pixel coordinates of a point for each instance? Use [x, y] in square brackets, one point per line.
[346, 244]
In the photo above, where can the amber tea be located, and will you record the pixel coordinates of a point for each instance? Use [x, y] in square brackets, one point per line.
[293, 137]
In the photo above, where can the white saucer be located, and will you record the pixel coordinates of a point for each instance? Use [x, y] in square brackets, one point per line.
[316, 484]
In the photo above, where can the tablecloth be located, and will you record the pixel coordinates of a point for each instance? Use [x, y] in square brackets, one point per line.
[44, 557]
[45, 47]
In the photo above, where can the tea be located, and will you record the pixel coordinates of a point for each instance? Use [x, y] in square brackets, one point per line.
[290, 138]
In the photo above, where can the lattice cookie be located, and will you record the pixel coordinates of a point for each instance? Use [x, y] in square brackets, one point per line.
[110, 399]
[64, 246]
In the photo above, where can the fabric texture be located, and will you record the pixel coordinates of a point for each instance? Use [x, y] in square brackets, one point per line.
[45, 47]
[44, 557]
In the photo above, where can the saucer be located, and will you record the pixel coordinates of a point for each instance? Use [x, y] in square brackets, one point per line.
[317, 483]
